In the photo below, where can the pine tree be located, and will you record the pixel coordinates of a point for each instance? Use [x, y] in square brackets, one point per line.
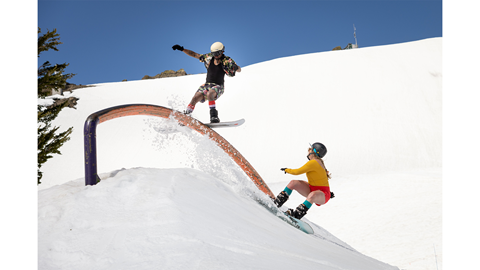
[50, 77]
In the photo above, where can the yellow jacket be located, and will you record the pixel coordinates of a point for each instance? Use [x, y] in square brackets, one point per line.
[316, 174]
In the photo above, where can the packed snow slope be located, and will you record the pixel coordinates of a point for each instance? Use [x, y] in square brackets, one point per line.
[176, 219]
[178, 197]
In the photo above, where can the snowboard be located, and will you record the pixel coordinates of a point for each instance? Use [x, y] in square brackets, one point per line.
[171, 129]
[294, 222]
[299, 224]
[226, 124]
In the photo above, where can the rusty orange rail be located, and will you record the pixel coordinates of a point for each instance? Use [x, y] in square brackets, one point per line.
[91, 177]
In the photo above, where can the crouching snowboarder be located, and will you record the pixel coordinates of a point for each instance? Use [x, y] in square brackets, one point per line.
[316, 190]
[216, 70]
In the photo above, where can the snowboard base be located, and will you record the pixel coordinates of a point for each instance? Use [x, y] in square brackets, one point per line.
[294, 222]
[172, 129]
[226, 124]
[299, 224]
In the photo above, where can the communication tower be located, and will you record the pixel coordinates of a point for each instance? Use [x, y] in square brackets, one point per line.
[355, 36]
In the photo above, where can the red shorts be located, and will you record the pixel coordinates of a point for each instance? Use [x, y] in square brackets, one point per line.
[324, 189]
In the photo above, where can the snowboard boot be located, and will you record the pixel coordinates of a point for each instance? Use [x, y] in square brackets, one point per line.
[281, 199]
[214, 116]
[299, 212]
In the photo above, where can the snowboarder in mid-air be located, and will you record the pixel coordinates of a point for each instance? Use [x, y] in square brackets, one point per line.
[316, 190]
[213, 88]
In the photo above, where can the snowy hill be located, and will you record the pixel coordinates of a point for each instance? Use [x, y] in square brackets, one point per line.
[146, 219]
[378, 111]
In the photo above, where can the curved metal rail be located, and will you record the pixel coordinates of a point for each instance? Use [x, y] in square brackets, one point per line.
[90, 145]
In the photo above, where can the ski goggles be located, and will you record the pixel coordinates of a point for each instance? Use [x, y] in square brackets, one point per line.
[217, 53]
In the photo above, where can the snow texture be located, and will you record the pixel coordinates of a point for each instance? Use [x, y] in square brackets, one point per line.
[174, 200]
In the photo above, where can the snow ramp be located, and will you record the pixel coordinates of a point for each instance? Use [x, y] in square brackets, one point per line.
[91, 176]
[176, 219]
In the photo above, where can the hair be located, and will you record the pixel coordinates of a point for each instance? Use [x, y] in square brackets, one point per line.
[328, 173]
[323, 163]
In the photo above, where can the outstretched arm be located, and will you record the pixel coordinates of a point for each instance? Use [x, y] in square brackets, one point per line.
[191, 53]
[305, 168]
[187, 52]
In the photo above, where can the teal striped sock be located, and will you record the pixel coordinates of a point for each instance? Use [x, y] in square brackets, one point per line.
[307, 204]
[288, 191]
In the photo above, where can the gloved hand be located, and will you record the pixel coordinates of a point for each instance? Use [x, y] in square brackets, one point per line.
[283, 169]
[177, 47]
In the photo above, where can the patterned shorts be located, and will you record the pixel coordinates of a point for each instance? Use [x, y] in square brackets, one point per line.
[204, 88]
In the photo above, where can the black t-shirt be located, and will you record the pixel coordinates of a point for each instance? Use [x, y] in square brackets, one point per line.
[215, 73]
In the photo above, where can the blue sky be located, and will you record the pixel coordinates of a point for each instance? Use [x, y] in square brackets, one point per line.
[108, 41]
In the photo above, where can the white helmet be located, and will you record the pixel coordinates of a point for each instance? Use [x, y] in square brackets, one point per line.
[217, 46]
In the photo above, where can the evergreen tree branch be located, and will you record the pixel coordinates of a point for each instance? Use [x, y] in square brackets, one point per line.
[48, 41]
[50, 77]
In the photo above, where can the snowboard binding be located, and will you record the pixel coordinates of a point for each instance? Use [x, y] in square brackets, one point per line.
[281, 199]
[214, 116]
[299, 212]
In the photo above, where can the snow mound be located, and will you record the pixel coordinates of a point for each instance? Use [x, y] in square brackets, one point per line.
[176, 219]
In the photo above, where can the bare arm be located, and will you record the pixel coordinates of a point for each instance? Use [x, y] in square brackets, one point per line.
[191, 53]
